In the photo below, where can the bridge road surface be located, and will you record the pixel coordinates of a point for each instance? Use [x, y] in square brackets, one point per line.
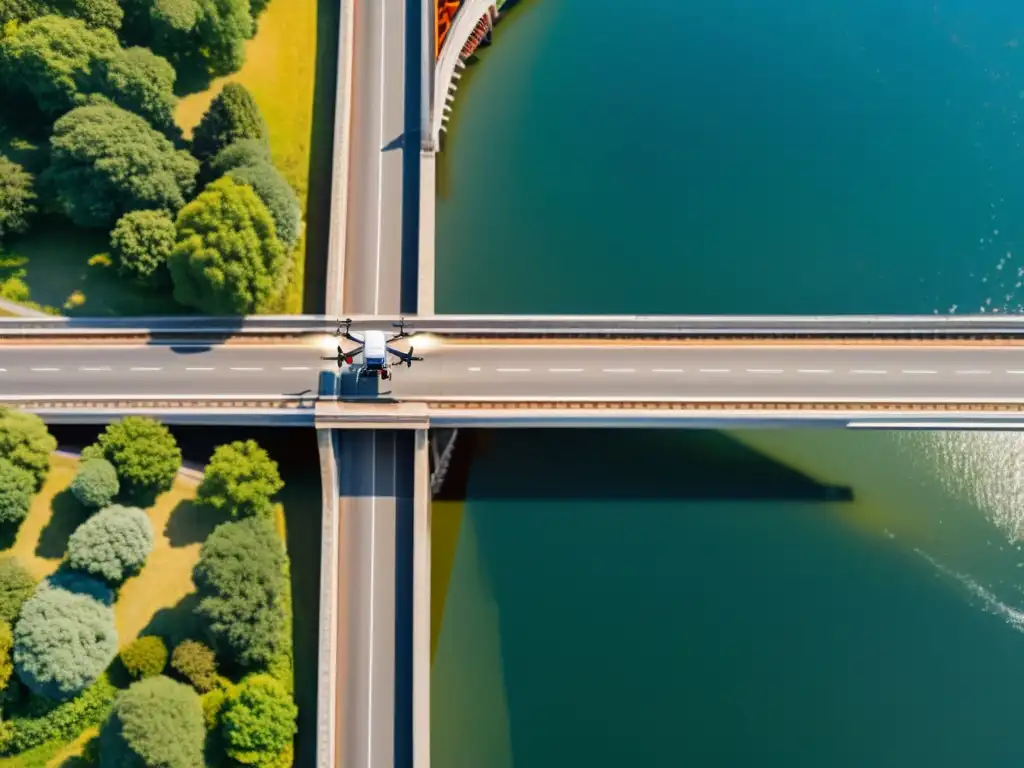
[549, 371]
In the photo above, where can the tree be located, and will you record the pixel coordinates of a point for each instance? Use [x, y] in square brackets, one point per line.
[17, 486]
[258, 721]
[138, 80]
[240, 154]
[6, 646]
[227, 260]
[95, 484]
[241, 585]
[52, 58]
[22, 10]
[25, 442]
[16, 586]
[240, 479]
[222, 28]
[95, 13]
[156, 722]
[63, 641]
[195, 662]
[142, 241]
[144, 657]
[113, 544]
[232, 116]
[106, 161]
[144, 453]
[279, 197]
[17, 197]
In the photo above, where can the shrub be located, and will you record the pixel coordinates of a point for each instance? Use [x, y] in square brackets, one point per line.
[195, 662]
[232, 116]
[156, 722]
[6, 646]
[241, 586]
[17, 197]
[213, 705]
[41, 720]
[17, 486]
[144, 453]
[25, 441]
[279, 197]
[63, 642]
[16, 586]
[240, 154]
[113, 544]
[258, 721]
[240, 479]
[95, 484]
[145, 657]
[142, 241]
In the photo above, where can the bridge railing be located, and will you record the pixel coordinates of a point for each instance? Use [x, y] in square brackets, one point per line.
[679, 326]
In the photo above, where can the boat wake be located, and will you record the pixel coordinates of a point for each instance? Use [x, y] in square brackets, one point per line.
[992, 604]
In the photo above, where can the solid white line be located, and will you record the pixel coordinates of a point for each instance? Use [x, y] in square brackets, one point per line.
[976, 372]
[246, 369]
[146, 369]
[814, 370]
[867, 370]
[199, 369]
[46, 369]
[666, 370]
[513, 370]
[565, 370]
[380, 164]
[919, 371]
[714, 370]
[373, 572]
[619, 370]
[295, 368]
[764, 370]
[99, 368]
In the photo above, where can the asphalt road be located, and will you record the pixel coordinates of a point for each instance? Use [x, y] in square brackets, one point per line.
[480, 372]
[373, 260]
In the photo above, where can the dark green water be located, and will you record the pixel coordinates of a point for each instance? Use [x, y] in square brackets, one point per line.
[679, 599]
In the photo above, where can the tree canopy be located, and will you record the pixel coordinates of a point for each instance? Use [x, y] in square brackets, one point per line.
[138, 80]
[156, 722]
[17, 487]
[113, 544]
[96, 13]
[95, 484]
[25, 441]
[16, 586]
[196, 663]
[206, 36]
[141, 241]
[144, 453]
[144, 657]
[106, 161]
[17, 197]
[277, 194]
[241, 478]
[6, 647]
[258, 721]
[241, 585]
[240, 154]
[63, 641]
[227, 260]
[232, 116]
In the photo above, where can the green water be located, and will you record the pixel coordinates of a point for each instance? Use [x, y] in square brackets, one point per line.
[683, 599]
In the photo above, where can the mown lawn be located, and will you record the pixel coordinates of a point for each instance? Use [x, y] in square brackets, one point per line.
[280, 71]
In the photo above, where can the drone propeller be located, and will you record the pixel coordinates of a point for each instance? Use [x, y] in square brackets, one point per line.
[410, 358]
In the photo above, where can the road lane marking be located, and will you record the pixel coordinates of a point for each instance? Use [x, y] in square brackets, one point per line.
[295, 368]
[973, 372]
[867, 370]
[1015, 371]
[98, 368]
[619, 370]
[475, 368]
[667, 370]
[46, 370]
[147, 369]
[199, 369]
[714, 370]
[764, 370]
[565, 370]
[246, 369]
[916, 371]
[513, 370]
[814, 370]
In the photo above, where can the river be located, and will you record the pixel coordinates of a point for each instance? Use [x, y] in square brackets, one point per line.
[649, 599]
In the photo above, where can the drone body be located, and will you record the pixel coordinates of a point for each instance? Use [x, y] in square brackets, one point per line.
[374, 346]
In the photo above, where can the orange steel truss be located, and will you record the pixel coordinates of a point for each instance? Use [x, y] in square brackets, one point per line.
[446, 10]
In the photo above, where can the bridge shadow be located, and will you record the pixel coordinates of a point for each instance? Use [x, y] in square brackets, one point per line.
[684, 465]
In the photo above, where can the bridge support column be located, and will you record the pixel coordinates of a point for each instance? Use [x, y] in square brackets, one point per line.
[421, 602]
[425, 289]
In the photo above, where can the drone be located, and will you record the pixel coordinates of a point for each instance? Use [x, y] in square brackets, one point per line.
[375, 349]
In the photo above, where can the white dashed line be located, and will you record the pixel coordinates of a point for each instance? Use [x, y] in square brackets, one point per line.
[1018, 372]
[565, 370]
[295, 368]
[919, 371]
[714, 370]
[666, 370]
[475, 368]
[99, 368]
[764, 370]
[199, 369]
[619, 370]
[3, 370]
[867, 370]
[973, 372]
[46, 370]
[246, 369]
[513, 370]
[814, 370]
[147, 369]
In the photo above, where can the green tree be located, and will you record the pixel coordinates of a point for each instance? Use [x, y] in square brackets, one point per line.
[17, 197]
[279, 197]
[144, 453]
[95, 13]
[95, 484]
[197, 663]
[17, 486]
[258, 721]
[113, 544]
[241, 585]
[138, 80]
[52, 58]
[25, 441]
[227, 260]
[144, 657]
[63, 641]
[241, 478]
[221, 30]
[232, 116]
[16, 586]
[22, 10]
[6, 646]
[141, 241]
[240, 154]
[156, 722]
[106, 161]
